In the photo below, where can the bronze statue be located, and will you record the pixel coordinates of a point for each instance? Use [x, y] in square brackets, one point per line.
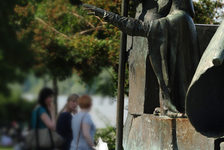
[172, 48]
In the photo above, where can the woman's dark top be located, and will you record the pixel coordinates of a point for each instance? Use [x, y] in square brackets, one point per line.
[63, 128]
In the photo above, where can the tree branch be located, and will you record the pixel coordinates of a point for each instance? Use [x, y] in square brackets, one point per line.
[90, 24]
[81, 17]
[52, 28]
[90, 30]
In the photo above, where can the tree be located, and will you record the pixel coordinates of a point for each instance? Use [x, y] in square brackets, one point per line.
[12, 49]
[8, 106]
[208, 11]
[66, 40]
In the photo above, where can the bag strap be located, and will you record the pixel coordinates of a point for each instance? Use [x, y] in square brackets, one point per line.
[80, 130]
[36, 129]
[37, 134]
[51, 139]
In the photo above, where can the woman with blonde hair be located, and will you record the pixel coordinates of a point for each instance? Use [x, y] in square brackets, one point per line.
[83, 128]
[64, 120]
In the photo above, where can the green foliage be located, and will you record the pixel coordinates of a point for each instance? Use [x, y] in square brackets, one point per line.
[208, 11]
[6, 148]
[12, 48]
[71, 85]
[56, 38]
[66, 39]
[15, 109]
[108, 135]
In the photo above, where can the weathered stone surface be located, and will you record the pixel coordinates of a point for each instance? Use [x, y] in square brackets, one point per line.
[222, 146]
[188, 139]
[143, 89]
[127, 128]
[149, 132]
[137, 67]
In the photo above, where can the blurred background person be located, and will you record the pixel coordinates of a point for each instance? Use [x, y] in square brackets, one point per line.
[63, 126]
[43, 115]
[5, 140]
[83, 128]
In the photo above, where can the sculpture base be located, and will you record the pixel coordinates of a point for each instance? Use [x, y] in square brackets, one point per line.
[149, 132]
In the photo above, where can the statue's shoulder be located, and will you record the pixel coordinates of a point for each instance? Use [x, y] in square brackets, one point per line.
[179, 15]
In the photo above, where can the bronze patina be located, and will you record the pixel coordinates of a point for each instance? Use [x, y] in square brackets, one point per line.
[172, 49]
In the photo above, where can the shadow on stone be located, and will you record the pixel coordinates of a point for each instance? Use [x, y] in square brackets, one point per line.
[218, 143]
[174, 134]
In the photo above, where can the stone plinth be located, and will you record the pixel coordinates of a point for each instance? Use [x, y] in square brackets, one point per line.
[149, 132]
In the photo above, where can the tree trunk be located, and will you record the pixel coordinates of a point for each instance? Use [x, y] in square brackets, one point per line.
[55, 88]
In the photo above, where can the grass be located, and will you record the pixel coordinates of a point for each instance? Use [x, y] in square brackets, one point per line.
[6, 148]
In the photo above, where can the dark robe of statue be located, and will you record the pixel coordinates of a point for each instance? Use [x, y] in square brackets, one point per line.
[174, 56]
[173, 49]
[143, 89]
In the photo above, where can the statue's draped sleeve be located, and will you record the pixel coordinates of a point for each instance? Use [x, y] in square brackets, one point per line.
[131, 26]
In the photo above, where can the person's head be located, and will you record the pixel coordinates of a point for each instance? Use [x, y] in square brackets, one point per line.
[72, 103]
[85, 102]
[45, 97]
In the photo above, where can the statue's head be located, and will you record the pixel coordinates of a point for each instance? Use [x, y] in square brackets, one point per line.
[185, 5]
[164, 6]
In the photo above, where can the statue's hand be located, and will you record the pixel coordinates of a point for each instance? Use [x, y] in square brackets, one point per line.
[94, 10]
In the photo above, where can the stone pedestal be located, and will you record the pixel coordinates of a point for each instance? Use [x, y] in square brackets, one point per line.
[149, 132]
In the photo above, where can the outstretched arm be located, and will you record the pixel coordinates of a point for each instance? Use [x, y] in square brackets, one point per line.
[130, 26]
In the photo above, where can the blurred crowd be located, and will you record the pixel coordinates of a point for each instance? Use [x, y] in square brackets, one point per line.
[71, 129]
[13, 135]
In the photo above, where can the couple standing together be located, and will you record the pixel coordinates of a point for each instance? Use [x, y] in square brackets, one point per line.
[76, 128]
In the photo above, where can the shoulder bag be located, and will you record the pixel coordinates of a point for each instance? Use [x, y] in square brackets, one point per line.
[42, 138]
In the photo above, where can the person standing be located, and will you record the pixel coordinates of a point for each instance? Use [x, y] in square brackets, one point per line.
[43, 115]
[63, 126]
[83, 128]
